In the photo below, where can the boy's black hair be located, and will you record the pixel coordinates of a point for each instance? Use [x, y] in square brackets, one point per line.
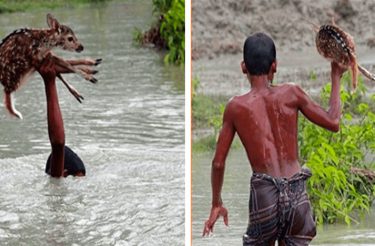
[258, 53]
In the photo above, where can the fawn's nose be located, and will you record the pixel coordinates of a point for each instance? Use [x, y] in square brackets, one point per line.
[80, 48]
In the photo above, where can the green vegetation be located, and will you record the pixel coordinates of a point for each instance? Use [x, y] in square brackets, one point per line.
[8, 6]
[312, 75]
[339, 161]
[342, 187]
[207, 113]
[169, 30]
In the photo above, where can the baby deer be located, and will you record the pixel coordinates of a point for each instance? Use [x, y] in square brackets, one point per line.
[22, 52]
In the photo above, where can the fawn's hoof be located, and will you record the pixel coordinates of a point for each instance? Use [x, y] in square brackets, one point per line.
[93, 80]
[98, 61]
[80, 98]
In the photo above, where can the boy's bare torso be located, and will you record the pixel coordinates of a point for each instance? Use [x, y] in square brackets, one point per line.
[266, 122]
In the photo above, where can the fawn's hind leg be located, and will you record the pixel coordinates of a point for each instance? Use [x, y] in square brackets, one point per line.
[10, 106]
[86, 69]
[71, 89]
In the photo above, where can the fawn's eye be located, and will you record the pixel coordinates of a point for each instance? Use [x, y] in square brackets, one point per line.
[70, 39]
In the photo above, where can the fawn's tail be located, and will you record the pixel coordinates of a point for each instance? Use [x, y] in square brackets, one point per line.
[10, 106]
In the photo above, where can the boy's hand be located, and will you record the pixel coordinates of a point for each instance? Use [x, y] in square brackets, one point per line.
[47, 69]
[216, 212]
[337, 70]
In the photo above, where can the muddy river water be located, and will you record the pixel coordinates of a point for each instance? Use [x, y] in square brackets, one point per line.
[235, 196]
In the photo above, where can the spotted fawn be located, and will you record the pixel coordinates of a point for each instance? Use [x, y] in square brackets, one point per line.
[23, 51]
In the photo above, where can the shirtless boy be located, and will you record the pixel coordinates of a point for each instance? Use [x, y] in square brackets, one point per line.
[265, 120]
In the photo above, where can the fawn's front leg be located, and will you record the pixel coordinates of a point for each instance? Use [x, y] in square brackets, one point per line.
[72, 66]
[63, 66]
[85, 64]
[87, 61]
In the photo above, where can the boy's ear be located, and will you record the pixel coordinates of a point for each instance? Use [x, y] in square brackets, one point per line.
[243, 67]
[272, 71]
[52, 22]
[274, 66]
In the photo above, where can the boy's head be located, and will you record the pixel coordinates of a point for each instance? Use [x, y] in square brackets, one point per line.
[259, 54]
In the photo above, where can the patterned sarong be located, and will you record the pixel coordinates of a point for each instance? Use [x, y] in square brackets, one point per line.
[279, 209]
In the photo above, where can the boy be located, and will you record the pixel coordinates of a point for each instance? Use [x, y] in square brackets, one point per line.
[265, 120]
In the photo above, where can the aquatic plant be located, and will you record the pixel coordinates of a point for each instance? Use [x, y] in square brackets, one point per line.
[169, 30]
[337, 189]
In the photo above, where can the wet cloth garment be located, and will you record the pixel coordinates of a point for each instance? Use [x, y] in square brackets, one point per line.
[72, 163]
[279, 209]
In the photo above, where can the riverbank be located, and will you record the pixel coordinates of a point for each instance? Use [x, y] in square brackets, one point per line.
[9, 6]
[219, 29]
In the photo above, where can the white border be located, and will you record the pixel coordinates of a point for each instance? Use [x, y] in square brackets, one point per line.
[188, 122]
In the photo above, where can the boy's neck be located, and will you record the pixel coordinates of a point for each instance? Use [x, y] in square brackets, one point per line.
[259, 81]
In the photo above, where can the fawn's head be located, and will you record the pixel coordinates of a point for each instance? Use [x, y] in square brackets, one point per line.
[64, 35]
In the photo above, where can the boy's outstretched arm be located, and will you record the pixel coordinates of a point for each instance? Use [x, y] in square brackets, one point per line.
[314, 112]
[217, 172]
[55, 121]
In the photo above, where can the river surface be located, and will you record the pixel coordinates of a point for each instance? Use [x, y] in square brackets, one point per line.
[235, 195]
[129, 131]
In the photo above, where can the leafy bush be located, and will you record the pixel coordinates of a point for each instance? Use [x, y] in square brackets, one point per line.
[169, 30]
[335, 190]
[172, 30]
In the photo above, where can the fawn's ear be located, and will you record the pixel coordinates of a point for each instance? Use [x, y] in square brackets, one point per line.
[52, 22]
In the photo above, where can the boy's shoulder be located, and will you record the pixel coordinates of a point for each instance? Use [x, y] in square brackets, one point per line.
[237, 99]
[234, 103]
[288, 87]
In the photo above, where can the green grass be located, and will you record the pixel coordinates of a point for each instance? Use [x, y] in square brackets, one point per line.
[208, 144]
[205, 144]
[207, 110]
[208, 114]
